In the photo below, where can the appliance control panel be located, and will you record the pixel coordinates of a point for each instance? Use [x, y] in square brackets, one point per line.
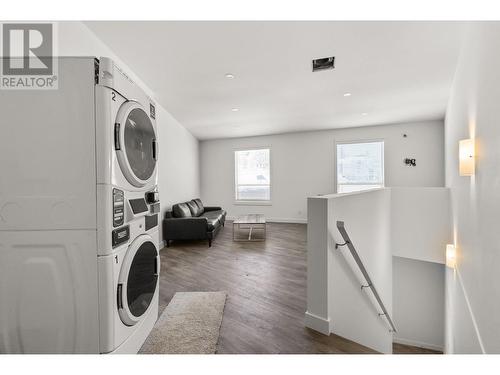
[118, 207]
[120, 235]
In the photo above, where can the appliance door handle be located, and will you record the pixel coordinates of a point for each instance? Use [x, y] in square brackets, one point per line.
[155, 149]
[156, 267]
[117, 136]
[119, 298]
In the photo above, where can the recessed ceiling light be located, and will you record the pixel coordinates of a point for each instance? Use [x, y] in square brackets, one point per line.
[347, 94]
[235, 109]
[229, 76]
[364, 114]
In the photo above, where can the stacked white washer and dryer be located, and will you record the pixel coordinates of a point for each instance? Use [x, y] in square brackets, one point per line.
[79, 205]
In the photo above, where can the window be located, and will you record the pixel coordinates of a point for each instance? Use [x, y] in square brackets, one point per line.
[252, 175]
[360, 166]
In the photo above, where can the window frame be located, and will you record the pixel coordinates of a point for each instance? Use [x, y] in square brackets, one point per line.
[252, 202]
[356, 141]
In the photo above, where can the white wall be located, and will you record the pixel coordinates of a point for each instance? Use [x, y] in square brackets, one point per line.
[179, 150]
[334, 297]
[472, 293]
[420, 223]
[303, 165]
[418, 307]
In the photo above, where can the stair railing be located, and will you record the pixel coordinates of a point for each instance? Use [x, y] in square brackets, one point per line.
[362, 268]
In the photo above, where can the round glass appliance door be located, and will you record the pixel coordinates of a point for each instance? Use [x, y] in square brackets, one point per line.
[137, 149]
[138, 280]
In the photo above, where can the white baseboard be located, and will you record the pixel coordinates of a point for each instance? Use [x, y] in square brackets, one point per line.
[284, 220]
[418, 344]
[317, 323]
[277, 220]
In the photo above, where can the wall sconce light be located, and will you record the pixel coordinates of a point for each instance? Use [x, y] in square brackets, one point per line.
[466, 157]
[451, 256]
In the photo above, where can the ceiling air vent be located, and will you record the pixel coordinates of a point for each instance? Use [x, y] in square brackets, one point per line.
[323, 63]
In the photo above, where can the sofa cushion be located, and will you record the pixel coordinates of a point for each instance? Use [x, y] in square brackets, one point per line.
[181, 210]
[193, 207]
[218, 215]
[200, 205]
[212, 223]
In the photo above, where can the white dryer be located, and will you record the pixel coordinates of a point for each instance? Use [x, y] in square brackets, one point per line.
[126, 134]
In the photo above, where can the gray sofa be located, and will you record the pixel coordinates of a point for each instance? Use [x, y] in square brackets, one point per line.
[192, 221]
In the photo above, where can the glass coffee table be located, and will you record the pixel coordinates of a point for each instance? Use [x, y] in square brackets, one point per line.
[249, 228]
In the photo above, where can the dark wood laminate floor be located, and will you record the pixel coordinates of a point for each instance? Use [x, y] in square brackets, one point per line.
[266, 287]
[407, 349]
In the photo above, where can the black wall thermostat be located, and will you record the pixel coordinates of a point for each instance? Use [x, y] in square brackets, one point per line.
[410, 162]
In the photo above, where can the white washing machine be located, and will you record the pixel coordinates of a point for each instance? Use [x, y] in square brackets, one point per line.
[128, 289]
[79, 206]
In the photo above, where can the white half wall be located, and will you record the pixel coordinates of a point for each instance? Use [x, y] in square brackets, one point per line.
[317, 315]
[303, 165]
[178, 148]
[354, 312]
[418, 302]
[472, 295]
[334, 296]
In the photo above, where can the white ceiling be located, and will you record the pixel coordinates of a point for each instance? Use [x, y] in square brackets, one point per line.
[396, 72]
